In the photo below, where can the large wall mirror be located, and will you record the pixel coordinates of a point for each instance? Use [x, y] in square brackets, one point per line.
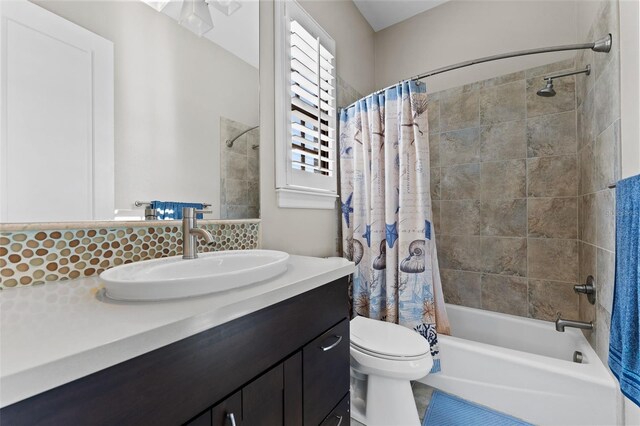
[109, 105]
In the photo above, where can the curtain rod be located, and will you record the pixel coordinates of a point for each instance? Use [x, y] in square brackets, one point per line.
[600, 45]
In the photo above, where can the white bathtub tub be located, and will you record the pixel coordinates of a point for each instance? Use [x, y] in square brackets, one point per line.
[524, 367]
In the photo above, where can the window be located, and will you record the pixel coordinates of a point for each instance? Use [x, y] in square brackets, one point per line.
[306, 116]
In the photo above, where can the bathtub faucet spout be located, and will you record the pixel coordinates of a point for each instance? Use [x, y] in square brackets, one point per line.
[562, 323]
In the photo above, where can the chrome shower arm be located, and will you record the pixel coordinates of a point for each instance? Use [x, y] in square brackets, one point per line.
[586, 70]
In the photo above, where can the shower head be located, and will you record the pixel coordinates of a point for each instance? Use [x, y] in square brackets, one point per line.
[547, 91]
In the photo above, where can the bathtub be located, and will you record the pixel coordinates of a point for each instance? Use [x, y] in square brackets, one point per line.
[525, 368]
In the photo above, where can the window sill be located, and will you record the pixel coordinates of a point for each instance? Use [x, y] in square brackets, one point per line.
[298, 199]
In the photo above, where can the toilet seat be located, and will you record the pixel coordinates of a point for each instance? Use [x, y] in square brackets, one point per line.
[384, 356]
[387, 340]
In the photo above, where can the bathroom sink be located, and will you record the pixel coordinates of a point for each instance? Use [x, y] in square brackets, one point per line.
[175, 277]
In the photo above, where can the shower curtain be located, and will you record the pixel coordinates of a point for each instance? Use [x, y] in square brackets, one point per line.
[386, 211]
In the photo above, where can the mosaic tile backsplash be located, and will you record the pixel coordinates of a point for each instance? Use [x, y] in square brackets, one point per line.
[36, 256]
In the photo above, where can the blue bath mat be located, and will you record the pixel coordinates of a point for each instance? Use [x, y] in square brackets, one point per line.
[449, 410]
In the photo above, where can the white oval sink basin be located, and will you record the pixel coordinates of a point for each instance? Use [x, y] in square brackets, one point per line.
[175, 277]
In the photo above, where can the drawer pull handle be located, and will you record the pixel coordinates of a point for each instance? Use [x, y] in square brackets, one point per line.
[339, 420]
[328, 348]
[232, 419]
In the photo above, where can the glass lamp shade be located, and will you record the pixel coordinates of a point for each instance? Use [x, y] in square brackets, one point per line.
[196, 17]
[228, 7]
[158, 5]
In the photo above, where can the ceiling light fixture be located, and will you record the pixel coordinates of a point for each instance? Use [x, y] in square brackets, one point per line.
[228, 7]
[196, 17]
[158, 5]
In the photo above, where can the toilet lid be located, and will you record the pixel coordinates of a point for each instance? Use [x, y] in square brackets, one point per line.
[387, 339]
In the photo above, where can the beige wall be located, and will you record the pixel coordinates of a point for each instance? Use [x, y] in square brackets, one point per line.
[171, 87]
[306, 231]
[463, 30]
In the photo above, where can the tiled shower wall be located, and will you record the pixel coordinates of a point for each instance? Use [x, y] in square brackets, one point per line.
[598, 101]
[239, 171]
[505, 188]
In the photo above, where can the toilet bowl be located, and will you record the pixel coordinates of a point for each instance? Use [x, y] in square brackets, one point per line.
[385, 357]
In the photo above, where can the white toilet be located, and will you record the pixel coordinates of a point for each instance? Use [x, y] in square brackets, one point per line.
[385, 357]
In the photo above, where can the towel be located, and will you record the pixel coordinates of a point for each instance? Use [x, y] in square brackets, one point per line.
[171, 210]
[624, 343]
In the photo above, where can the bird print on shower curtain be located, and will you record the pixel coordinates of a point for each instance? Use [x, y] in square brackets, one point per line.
[386, 211]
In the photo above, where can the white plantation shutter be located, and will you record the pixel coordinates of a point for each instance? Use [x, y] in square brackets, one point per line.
[312, 103]
[306, 116]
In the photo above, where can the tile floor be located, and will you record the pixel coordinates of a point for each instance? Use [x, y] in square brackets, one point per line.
[421, 394]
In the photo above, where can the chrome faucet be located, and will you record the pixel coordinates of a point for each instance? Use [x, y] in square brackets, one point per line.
[562, 323]
[191, 232]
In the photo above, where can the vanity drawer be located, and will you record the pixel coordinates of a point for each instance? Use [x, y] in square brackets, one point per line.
[326, 372]
[222, 412]
[341, 415]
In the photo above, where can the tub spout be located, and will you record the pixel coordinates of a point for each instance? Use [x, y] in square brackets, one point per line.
[562, 323]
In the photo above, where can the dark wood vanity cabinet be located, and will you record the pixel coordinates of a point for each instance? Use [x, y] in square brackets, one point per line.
[307, 388]
[287, 364]
[324, 362]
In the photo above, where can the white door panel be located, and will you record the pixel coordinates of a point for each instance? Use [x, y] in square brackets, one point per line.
[56, 151]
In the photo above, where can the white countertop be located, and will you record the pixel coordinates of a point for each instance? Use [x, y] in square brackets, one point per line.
[55, 333]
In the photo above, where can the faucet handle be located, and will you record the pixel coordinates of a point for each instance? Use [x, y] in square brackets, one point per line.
[191, 212]
[589, 288]
[558, 315]
[197, 212]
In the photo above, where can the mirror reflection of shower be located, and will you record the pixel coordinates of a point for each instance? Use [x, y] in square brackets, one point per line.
[547, 91]
[229, 142]
[239, 169]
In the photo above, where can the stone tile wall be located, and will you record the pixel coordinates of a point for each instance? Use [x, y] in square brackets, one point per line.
[598, 101]
[35, 254]
[239, 171]
[504, 182]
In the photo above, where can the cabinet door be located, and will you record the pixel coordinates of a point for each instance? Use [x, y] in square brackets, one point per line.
[293, 390]
[228, 411]
[325, 372]
[263, 399]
